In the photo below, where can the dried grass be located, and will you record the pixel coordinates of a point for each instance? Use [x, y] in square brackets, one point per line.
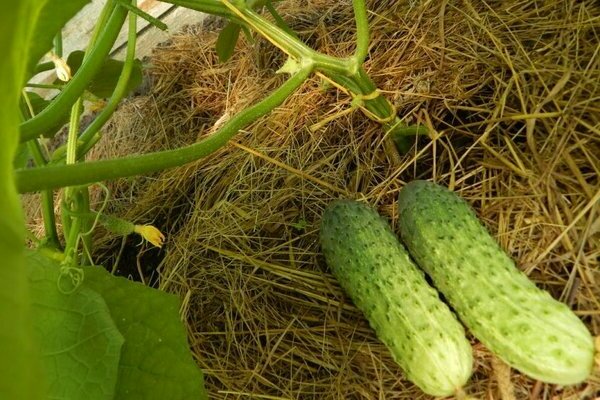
[510, 92]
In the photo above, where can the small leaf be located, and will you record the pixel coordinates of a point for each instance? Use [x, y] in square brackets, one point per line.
[22, 156]
[156, 362]
[105, 80]
[53, 17]
[279, 20]
[37, 102]
[227, 40]
[80, 343]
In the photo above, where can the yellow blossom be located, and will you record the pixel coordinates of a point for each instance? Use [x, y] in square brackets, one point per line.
[96, 105]
[63, 71]
[151, 234]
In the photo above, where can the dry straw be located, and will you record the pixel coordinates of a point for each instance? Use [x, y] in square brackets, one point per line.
[510, 92]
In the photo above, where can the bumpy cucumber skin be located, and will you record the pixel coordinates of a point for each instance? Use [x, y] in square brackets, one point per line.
[372, 266]
[521, 323]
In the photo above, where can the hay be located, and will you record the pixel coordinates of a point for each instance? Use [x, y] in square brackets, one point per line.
[510, 92]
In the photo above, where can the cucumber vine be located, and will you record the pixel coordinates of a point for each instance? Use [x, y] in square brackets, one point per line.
[41, 312]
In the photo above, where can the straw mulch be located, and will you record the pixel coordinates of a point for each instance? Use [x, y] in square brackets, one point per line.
[510, 92]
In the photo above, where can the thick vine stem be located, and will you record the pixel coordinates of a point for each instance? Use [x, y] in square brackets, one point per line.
[362, 31]
[55, 176]
[348, 72]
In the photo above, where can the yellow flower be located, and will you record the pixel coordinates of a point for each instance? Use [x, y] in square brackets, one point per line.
[63, 71]
[151, 234]
[96, 105]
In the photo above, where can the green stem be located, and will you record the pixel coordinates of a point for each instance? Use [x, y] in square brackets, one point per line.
[103, 20]
[213, 7]
[77, 198]
[290, 44]
[36, 152]
[58, 44]
[65, 217]
[379, 106]
[71, 194]
[55, 176]
[348, 73]
[280, 38]
[362, 31]
[144, 15]
[88, 145]
[86, 225]
[49, 217]
[360, 84]
[45, 85]
[119, 92]
[382, 108]
[53, 115]
[47, 200]
[72, 240]
[73, 131]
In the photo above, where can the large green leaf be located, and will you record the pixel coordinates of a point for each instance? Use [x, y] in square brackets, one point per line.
[156, 362]
[79, 341]
[20, 372]
[53, 17]
[105, 80]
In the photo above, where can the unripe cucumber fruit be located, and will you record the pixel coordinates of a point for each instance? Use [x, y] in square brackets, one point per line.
[374, 269]
[517, 321]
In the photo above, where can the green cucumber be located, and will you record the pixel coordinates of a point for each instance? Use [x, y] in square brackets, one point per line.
[373, 267]
[522, 324]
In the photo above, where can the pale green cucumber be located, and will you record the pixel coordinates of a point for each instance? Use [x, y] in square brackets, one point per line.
[374, 269]
[522, 324]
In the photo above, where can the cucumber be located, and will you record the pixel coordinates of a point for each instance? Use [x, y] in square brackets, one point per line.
[372, 266]
[522, 324]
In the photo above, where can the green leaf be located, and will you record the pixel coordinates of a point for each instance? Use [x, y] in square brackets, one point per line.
[80, 343]
[105, 80]
[38, 103]
[22, 156]
[53, 17]
[156, 362]
[279, 20]
[20, 370]
[227, 40]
